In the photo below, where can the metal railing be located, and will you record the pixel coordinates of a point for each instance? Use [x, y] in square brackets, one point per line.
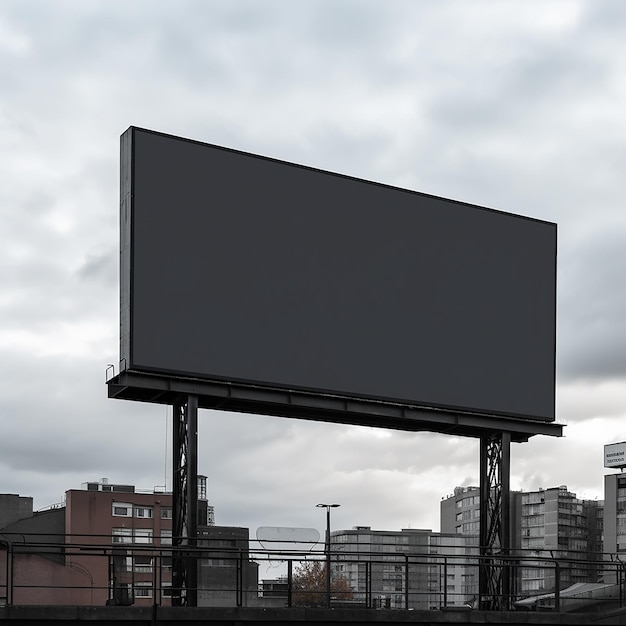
[49, 570]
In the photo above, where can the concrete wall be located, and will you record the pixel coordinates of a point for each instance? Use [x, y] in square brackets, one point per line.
[610, 513]
[38, 580]
[89, 521]
[120, 616]
[42, 529]
[14, 508]
[218, 579]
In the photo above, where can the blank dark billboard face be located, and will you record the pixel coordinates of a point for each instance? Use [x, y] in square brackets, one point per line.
[242, 268]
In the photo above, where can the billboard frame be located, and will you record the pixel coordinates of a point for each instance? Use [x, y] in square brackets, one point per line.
[615, 455]
[228, 393]
[247, 398]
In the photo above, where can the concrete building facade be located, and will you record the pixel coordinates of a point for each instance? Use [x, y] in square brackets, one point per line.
[137, 525]
[405, 568]
[108, 544]
[111, 544]
[13, 508]
[104, 546]
[615, 513]
[460, 513]
[552, 524]
[226, 576]
[557, 525]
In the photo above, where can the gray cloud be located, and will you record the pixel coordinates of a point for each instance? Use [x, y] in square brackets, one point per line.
[102, 267]
[518, 109]
[593, 308]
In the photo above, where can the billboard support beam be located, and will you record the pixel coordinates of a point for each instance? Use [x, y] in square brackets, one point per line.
[185, 501]
[253, 399]
[494, 579]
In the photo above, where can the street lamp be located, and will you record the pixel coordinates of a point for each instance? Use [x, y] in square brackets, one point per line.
[328, 507]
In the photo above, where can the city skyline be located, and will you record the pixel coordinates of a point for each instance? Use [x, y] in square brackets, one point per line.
[517, 109]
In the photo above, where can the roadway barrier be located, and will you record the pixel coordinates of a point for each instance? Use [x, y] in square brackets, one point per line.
[123, 572]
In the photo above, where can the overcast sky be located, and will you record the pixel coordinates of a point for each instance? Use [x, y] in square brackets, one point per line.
[514, 105]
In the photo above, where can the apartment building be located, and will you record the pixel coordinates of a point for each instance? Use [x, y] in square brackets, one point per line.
[107, 544]
[138, 525]
[551, 524]
[615, 513]
[414, 568]
[460, 513]
[558, 526]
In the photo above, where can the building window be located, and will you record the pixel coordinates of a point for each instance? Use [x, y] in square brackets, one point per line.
[472, 527]
[122, 563]
[167, 590]
[128, 535]
[166, 537]
[143, 535]
[532, 585]
[143, 511]
[166, 512]
[122, 535]
[143, 564]
[143, 590]
[121, 509]
[533, 509]
[533, 520]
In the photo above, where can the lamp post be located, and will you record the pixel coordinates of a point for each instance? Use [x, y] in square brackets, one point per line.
[328, 507]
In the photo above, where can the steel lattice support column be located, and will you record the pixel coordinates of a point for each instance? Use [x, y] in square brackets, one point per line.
[494, 579]
[185, 501]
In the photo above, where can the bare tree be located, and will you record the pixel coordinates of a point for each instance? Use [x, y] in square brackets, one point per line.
[309, 585]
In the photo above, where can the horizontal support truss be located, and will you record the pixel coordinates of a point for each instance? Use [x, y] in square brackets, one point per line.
[245, 398]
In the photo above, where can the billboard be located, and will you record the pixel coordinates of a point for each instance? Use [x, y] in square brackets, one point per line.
[615, 455]
[246, 269]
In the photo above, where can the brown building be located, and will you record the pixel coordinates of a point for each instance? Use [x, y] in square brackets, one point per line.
[107, 545]
[138, 526]
[32, 558]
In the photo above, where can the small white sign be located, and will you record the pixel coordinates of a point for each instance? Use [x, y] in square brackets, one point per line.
[615, 455]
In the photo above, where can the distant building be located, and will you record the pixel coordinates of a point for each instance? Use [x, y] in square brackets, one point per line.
[106, 545]
[405, 568]
[32, 559]
[552, 524]
[275, 588]
[13, 508]
[614, 520]
[102, 547]
[226, 576]
[460, 513]
[556, 525]
[615, 513]
[137, 525]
